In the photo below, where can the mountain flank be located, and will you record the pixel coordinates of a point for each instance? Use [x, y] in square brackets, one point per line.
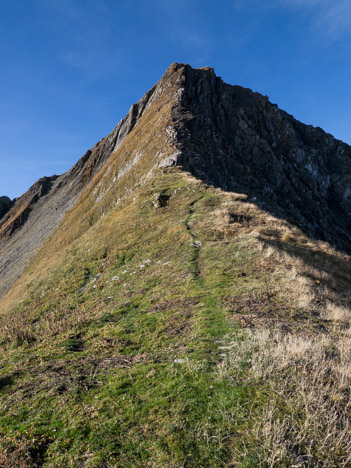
[35, 215]
[226, 135]
[181, 296]
[238, 140]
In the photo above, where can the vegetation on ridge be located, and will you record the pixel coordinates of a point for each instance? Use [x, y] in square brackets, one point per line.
[135, 344]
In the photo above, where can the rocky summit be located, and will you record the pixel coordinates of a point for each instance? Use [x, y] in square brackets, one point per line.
[181, 296]
[237, 140]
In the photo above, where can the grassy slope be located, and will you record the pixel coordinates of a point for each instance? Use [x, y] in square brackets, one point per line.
[112, 358]
[95, 376]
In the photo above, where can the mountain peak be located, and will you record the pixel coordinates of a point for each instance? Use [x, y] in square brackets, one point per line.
[172, 291]
[237, 140]
[228, 136]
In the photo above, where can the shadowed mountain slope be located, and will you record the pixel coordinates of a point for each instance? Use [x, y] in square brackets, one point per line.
[5, 205]
[173, 302]
[226, 135]
[238, 140]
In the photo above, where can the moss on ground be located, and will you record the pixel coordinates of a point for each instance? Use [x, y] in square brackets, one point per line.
[110, 356]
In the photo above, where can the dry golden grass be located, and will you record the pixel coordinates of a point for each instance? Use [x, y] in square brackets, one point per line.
[306, 421]
[337, 313]
[287, 237]
[316, 275]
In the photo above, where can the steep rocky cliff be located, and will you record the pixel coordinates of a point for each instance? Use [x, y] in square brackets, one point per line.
[226, 135]
[237, 140]
[173, 304]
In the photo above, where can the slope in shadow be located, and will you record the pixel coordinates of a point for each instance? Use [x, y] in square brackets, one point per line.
[237, 140]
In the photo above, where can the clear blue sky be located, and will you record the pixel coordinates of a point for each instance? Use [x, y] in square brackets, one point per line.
[70, 69]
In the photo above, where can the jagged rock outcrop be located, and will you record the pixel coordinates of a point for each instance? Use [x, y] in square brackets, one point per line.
[227, 135]
[151, 288]
[19, 213]
[238, 140]
[5, 205]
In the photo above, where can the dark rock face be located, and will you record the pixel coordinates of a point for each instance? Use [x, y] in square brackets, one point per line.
[227, 135]
[236, 139]
[5, 205]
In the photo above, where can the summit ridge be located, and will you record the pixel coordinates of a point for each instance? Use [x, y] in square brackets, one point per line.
[181, 296]
[226, 135]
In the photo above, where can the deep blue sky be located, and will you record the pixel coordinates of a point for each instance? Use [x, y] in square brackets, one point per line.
[70, 69]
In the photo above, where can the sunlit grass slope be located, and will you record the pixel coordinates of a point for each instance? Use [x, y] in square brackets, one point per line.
[127, 342]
